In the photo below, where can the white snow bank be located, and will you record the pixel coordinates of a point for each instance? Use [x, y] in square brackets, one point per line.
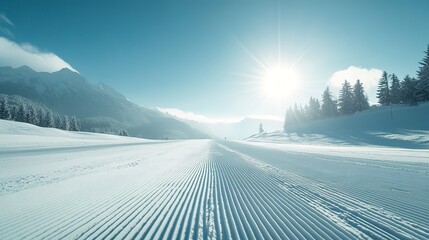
[17, 135]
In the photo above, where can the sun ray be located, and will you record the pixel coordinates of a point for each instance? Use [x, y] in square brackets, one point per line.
[258, 77]
[301, 57]
[278, 81]
[251, 55]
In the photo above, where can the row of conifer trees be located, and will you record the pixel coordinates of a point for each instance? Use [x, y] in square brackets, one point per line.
[353, 99]
[16, 109]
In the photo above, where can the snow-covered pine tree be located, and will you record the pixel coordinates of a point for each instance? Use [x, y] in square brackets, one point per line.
[345, 100]
[297, 112]
[313, 110]
[58, 122]
[290, 118]
[329, 106]
[21, 115]
[303, 113]
[14, 113]
[66, 123]
[73, 124]
[408, 88]
[359, 98]
[40, 117]
[49, 119]
[395, 90]
[123, 133]
[4, 109]
[422, 88]
[30, 116]
[383, 92]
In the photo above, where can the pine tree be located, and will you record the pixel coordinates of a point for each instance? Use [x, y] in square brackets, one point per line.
[359, 98]
[408, 88]
[73, 124]
[30, 116]
[58, 122]
[422, 92]
[329, 106]
[48, 120]
[395, 90]
[66, 123]
[14, 113]
[303, 113]
[40, 117]
[345, 100]
[383, 93]
[297, 113]
[313, 110]
[290, 118]
[4, 109]
[123, 133]
[21, 114]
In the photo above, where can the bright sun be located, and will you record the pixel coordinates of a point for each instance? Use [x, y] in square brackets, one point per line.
[278, 82]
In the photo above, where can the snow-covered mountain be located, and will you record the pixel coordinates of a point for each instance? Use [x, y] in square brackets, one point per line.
[96, 105]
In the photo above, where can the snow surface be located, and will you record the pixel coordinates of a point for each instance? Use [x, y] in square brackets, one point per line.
[56, 184]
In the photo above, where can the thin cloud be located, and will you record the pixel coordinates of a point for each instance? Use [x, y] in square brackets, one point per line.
[6, 31]
[184, 115]
[5, 19]
[5, 22]
[193, 116]
[368, 77]
[16, 55]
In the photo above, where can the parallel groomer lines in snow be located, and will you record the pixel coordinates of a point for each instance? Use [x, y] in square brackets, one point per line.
[127, 196]
[150, 214]
[359, 218]
[247, 173]
[198, 190]
[42, 209]
[407, 211]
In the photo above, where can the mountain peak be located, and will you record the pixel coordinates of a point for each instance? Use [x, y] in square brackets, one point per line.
[66, 70]
[25, 68]
[66, 73]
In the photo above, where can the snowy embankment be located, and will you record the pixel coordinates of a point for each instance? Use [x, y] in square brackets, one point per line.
[396, 126]
[20, 136]
[200, 189]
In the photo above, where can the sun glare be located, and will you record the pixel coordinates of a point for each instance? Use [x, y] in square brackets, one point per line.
[278, 82]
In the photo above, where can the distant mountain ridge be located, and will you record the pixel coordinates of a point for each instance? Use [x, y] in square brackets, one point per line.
[96, 105]
[235, 130]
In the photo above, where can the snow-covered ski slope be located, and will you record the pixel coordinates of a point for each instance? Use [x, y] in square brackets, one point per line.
[400, 126]
[58, 185]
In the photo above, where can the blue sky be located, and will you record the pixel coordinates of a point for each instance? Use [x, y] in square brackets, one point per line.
[197, 55]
